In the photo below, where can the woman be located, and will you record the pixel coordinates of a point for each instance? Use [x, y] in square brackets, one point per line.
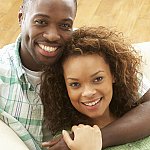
[96, 82]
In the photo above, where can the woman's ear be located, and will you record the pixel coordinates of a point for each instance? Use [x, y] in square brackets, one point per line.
[20, 15]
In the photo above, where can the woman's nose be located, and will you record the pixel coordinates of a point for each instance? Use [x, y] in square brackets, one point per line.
[88, 91]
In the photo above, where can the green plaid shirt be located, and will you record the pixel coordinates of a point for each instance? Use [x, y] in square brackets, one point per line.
[20, 105]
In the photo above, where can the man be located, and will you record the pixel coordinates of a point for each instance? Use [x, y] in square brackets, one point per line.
[46, 25]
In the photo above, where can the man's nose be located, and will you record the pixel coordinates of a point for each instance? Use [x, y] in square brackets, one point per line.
[88, 91]
[52, 34]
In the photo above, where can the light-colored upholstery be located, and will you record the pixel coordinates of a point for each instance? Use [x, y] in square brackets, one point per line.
[9, 139]
[144, 50]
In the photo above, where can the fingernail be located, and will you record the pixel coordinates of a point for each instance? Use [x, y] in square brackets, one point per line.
[63, 131]
[44, 143]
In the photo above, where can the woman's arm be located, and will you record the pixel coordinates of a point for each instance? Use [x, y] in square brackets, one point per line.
[132, 126]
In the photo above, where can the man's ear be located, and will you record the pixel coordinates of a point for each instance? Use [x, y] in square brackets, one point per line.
[20, 15]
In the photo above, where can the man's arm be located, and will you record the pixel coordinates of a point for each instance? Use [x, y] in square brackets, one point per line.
[132, 126]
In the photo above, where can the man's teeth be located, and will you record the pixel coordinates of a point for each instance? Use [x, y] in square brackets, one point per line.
[47, 48]
[92, 103]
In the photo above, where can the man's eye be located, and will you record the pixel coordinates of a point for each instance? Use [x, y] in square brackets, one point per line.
[74, 84]
[40, 22]
[66, 26]
[98, 79]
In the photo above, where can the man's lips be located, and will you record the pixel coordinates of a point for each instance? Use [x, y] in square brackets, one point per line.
[92, 103]
[48, 48]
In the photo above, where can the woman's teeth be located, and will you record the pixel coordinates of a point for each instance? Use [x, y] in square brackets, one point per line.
[47, 48]
[92, 103]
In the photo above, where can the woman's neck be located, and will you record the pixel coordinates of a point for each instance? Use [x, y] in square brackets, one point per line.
[105, 119]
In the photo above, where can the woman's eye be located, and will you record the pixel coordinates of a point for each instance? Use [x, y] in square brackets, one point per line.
[98, 79]
[74, 84]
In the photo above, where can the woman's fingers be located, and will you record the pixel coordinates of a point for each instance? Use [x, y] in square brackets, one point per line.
[67, 138]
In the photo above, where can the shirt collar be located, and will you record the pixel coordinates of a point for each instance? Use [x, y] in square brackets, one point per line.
[18, 63]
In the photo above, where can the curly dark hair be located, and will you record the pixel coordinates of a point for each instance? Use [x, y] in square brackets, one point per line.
[124, 63]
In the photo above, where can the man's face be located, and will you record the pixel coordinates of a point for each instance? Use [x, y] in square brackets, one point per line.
[45, 27]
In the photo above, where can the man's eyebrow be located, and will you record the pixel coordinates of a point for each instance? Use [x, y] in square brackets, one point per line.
[68, 19]
[44, 15]
[41, 15]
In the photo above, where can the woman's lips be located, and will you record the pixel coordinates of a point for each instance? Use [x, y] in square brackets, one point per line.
[92, 103]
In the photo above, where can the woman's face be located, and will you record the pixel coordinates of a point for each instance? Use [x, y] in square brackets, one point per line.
[89, 84]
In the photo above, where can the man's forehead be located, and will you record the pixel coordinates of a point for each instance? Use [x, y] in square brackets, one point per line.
[63, 7]
[64, 1]
[32, 3]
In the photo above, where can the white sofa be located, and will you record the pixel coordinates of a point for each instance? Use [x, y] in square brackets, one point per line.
[9, 139]
[144, 50]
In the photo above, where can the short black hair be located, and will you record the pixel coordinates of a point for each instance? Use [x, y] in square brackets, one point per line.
[25, 2]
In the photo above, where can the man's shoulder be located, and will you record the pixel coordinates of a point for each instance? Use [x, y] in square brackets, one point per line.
[6, 53]
[7, 56]
[8, 47]
[12, 47]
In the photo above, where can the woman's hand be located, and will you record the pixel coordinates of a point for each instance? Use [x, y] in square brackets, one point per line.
[85, 138]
